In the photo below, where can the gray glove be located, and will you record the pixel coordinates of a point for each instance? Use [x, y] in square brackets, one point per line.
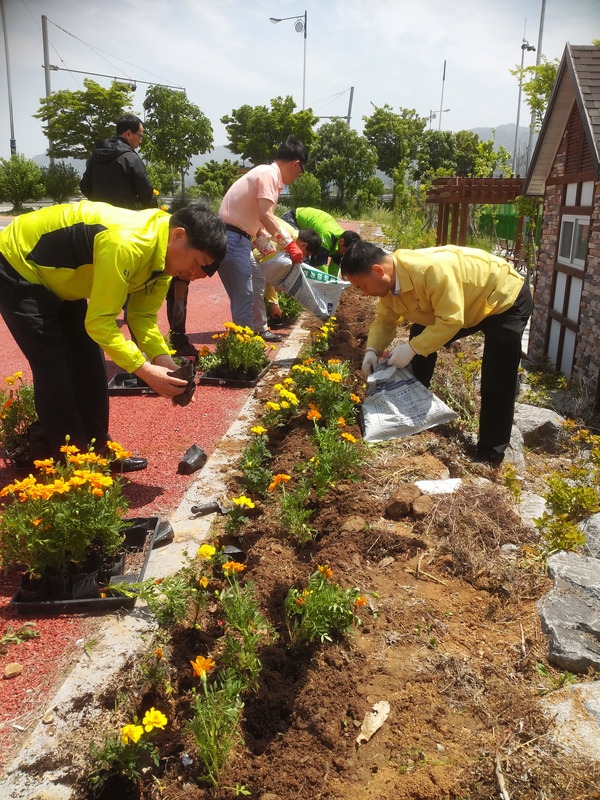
[402, 355]
[369, 362]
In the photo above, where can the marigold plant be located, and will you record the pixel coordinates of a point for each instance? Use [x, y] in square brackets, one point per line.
[17, 412]
[238, 349]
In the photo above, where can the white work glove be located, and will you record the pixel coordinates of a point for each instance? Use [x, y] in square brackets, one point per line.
[401, 356]
[369, 363]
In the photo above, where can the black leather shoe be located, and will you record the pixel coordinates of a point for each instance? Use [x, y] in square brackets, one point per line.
[131, 464]
[269, 336]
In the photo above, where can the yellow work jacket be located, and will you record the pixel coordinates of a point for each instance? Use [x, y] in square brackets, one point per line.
[445, 289]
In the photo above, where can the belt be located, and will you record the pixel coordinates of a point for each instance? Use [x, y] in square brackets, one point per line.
[233, 229]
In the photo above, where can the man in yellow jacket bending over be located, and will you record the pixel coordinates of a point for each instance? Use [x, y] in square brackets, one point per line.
[65, 273]
[447, 293]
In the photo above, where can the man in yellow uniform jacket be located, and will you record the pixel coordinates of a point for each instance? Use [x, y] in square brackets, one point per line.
[447, 293]
[65, 273]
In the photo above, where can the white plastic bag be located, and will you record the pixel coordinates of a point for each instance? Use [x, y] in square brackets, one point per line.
[397, 405]
[315, 290]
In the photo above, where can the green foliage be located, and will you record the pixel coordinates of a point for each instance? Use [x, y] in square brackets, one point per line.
[321, 611]
[177, 130]
[18, 635]
[162, 177]
[294, 514]
[20, 180]
[214, 178]
[172, 600]
[512, 482]
[61, 181]
[555, 683]
[256, 132]
[305, 192]
[17, 412]
[343, 158]
[537, 84]
[456, 385]
[75, 121]
[240, 349]
[254, 464]
[395, 138]
[237, 515]
[290, 307]
[322, 388]
[339, 457]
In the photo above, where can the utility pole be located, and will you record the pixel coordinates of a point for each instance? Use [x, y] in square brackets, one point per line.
[442, 98]
[13, 141]
[537, 62]
[47, 73]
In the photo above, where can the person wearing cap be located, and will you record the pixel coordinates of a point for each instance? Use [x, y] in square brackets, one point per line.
[65, 273]
[248, 209]
[448, 293]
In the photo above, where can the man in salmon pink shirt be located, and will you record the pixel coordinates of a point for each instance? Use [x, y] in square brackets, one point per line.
[248, 209]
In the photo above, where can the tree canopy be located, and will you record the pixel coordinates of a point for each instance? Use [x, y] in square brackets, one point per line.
[177, 129]
[255, 132]
[20, 180]
[344, 158]
[537, 84]
[395, 137]
[75, 121]
[215, 178]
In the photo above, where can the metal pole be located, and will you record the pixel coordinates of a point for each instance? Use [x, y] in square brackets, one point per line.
[13, 141]
[304, 67]
[442, 98]
[349, 117]
[524, 46]
[47, 75]
[537, 62]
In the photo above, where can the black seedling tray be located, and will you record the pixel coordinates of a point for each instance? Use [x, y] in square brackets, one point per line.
[137, 554]
[125, 383]
[209, 378]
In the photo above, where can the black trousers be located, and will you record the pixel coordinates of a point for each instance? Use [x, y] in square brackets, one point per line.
[69, 371]
[499, 371]
[177, 297]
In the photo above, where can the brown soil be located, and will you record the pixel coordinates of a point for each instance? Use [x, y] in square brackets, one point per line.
[450, 638]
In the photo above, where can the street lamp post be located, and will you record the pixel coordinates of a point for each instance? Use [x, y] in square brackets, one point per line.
[300, 25]
[524, 46]
[433, 115]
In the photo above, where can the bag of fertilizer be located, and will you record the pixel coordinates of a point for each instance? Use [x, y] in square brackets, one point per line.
[397, 405]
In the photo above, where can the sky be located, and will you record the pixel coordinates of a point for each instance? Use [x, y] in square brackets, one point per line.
[226, 53]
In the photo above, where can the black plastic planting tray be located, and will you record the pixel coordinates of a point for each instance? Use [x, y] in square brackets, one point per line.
[137, 550]
[125, 383]
[212, 377]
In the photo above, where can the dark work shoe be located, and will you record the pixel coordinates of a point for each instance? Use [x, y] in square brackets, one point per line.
[187, 351]
[131, 464]
[269, 336]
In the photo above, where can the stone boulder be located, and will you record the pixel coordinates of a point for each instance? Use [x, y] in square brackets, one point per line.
[541, 428]
[570, 612]
[591, 528]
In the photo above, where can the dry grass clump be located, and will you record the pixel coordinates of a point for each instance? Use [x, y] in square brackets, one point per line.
[471, 527]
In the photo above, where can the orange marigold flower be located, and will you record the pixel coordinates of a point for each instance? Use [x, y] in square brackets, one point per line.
[201, 666]
[348, 437]
[299, 601]
[360, 601]
[326, 571]
[341, 422]
[355, 398]
[159, 653]
[313, 414]
[277, 479]
[229, 567]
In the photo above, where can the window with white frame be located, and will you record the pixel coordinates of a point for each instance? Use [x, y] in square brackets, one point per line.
[573, 242]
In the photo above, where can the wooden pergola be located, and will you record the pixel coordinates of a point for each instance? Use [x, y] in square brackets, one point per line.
[454, 195]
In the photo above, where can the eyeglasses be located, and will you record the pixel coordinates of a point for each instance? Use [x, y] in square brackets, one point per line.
[301, 165]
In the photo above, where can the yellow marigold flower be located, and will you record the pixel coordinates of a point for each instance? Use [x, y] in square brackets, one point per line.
[277, 479]
[348, 437]
[289, 396]
[334, 377]
[10, 380]
[131, 733]
[42, 463]
[341, 422]
[97, 492]
[203, 581]
[243, 501]
[289, 381]
[278, 387]
[272, 406]
[201, 666]
[37, 521]
[18, 375]
[69, 449]
[326, 571]
[285, 404]
[204, 350]
[334, 361]
[206, 551]
[118, 451]
[313, 415]
[258, 430]
[230, 567]
[159, 653]
[360, 601]
[309, 389]
[355, 398]
[155, 192]
[216, 336]
[154, 719]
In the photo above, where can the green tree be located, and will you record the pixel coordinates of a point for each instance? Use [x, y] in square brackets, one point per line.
[177, 130]
[75, 121]
[214, 178]
[61, 181]
[20, 179]
[255, 132]
[305, 191]
[395, 137]
[162, 177]
[343, 157]
[537, 83]
[436, 156]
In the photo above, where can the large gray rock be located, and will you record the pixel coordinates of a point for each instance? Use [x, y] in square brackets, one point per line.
[541, 428]
[514, 452]
[570, 612]
[531, 506]
[591, 528]
[575, 714]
